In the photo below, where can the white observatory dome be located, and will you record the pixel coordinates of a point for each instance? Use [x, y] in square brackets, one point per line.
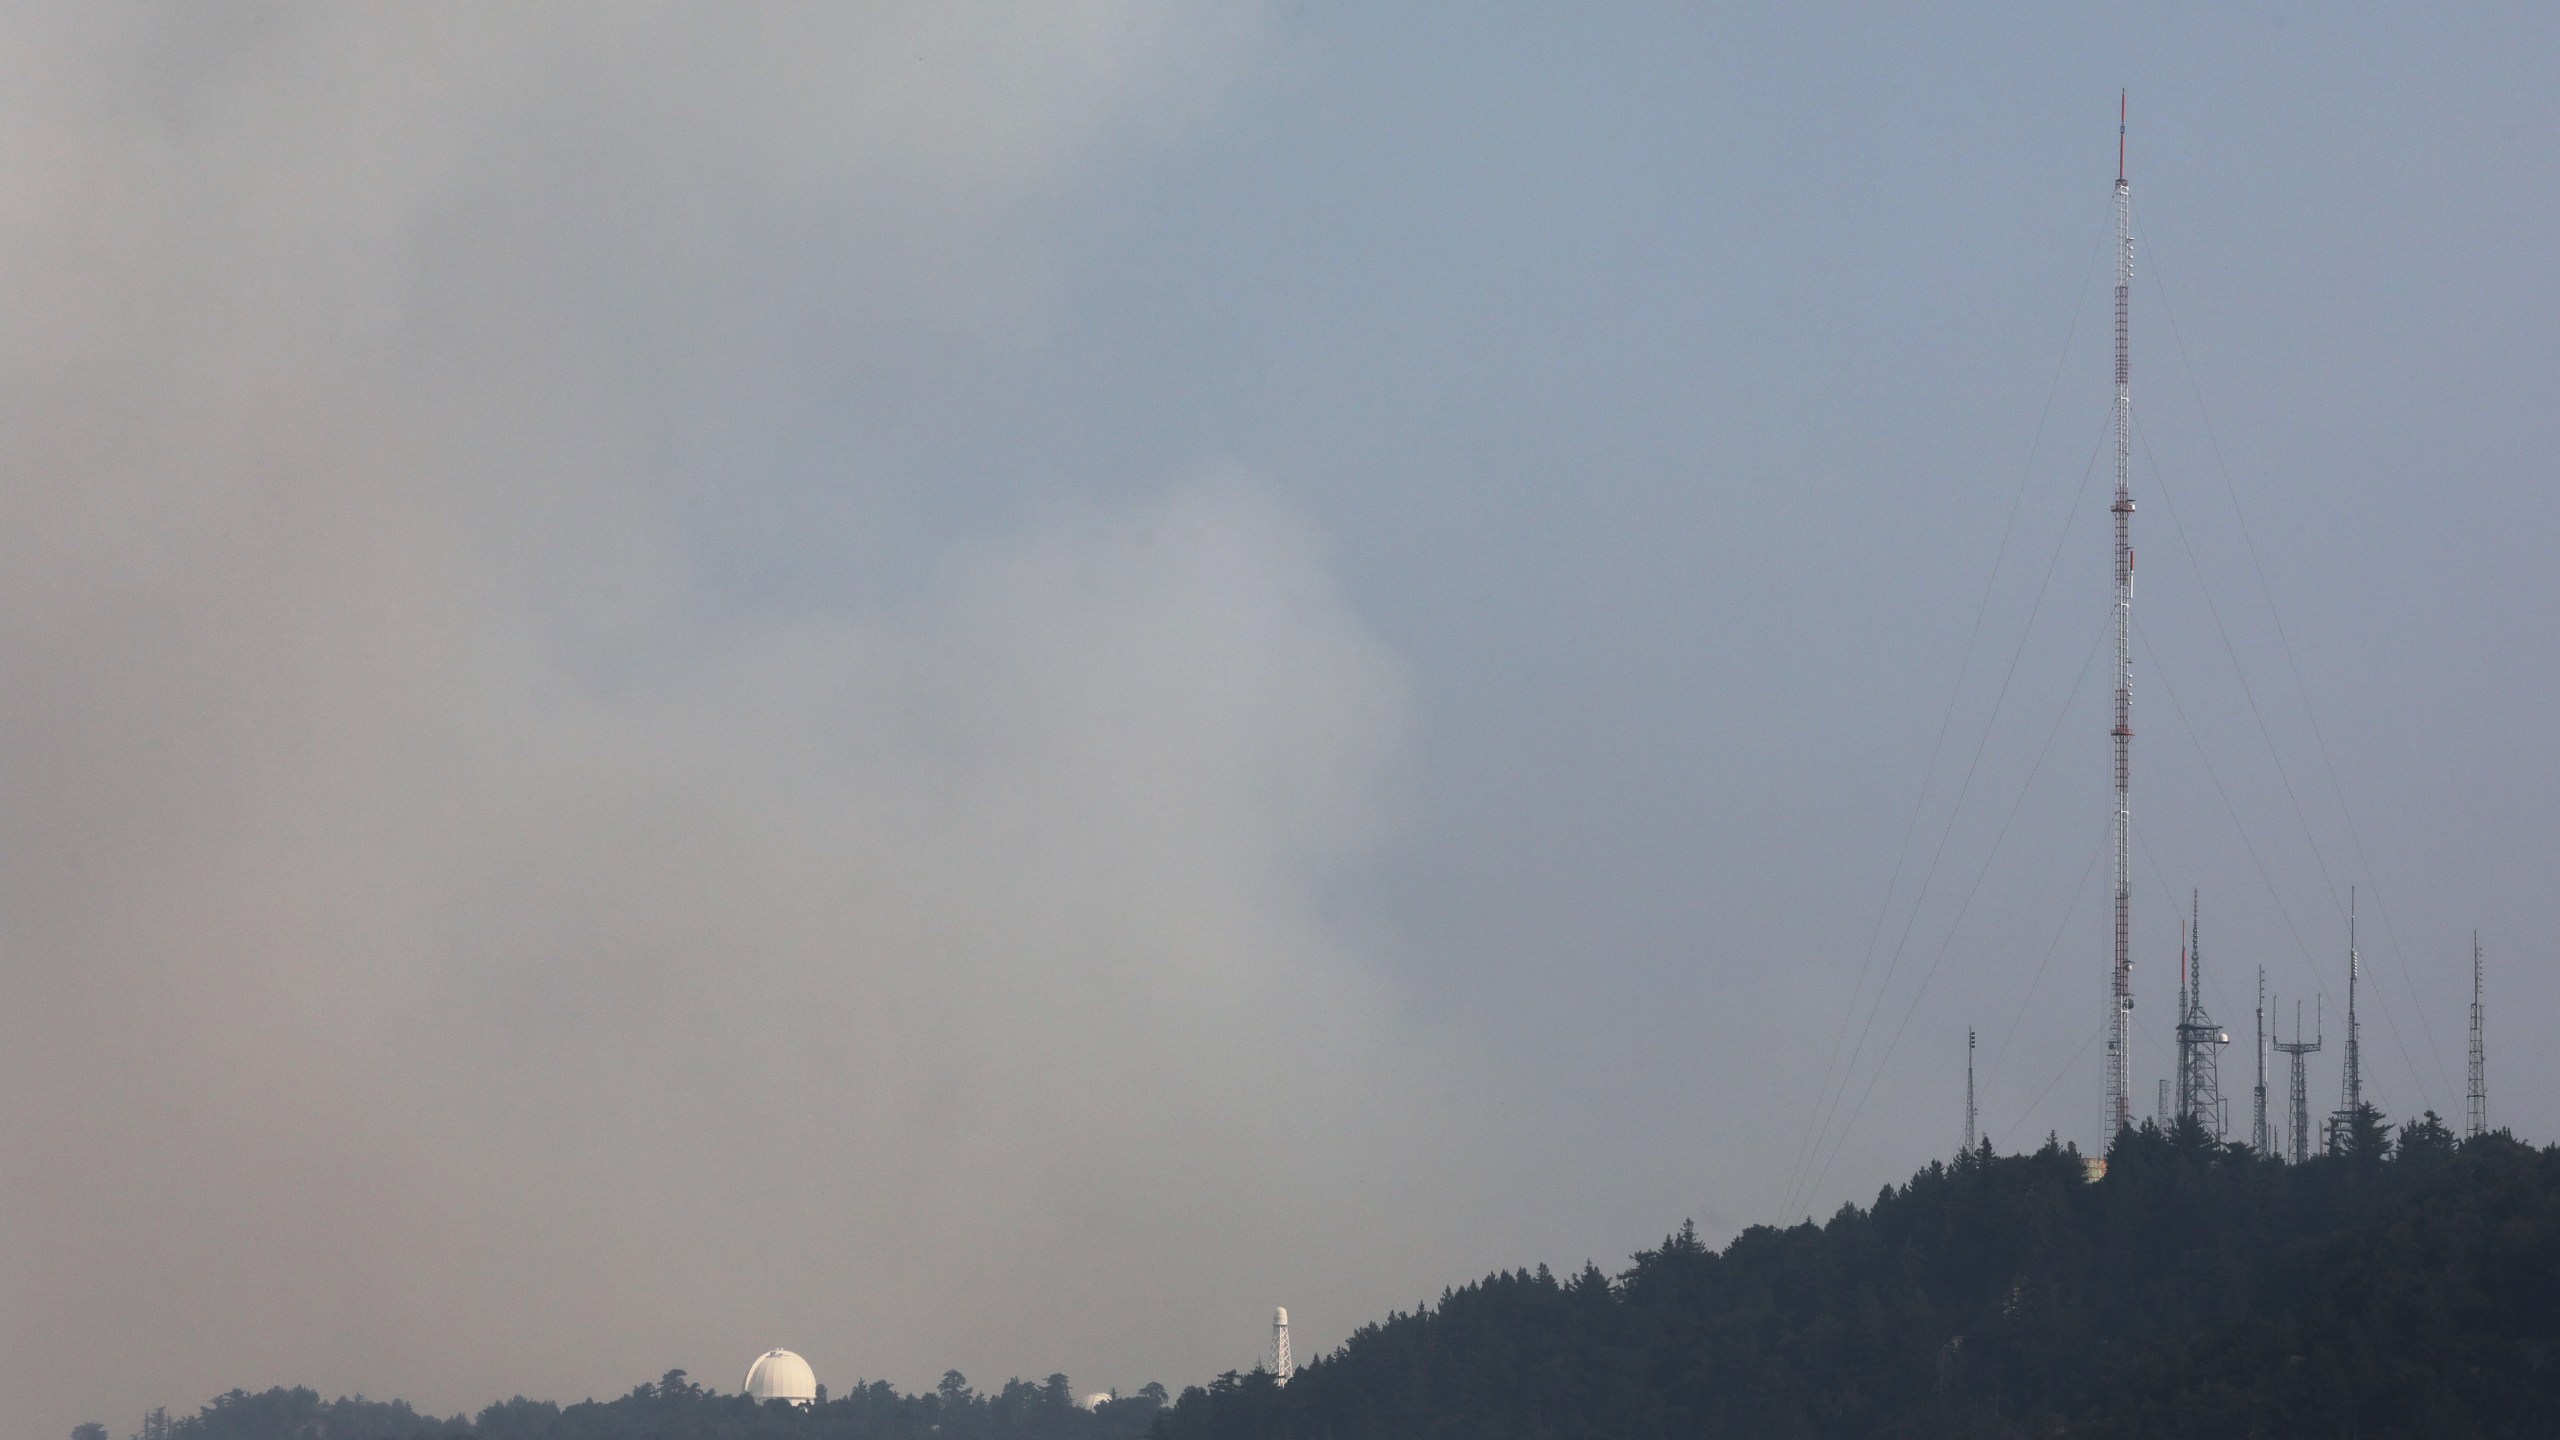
[781, 1375]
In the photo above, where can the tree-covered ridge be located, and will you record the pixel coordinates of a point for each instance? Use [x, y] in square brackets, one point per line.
[2197, 1290]
[2410, 1287]
[676, 1408]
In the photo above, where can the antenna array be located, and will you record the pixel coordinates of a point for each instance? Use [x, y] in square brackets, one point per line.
[2196, 1093]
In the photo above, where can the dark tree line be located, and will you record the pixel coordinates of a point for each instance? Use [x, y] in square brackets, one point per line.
[2399, 1289]
[2409, 1286]
[675, 1408]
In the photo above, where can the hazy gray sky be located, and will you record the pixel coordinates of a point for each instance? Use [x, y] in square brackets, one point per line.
[989, 686]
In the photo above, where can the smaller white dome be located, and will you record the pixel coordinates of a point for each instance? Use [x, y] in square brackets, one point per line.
[781, 1375]
[1097, 1400]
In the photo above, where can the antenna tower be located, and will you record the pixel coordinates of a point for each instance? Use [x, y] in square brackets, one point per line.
[2476, 1095]
[2295, 1049]
[2258, 1097]
[2177, 1082]
[2120, 1013]
[2200, 1041]
[2351, 1078]
[1971, 1116]
[1283, 1364]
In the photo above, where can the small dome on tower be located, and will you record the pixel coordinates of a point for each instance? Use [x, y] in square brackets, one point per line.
[781, 1375]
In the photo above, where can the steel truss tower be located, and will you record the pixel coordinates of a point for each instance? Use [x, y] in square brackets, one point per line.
[2258, 1096]
[2475, 1122]
[1283, 1364]
[2299, 1133]
[2120, 1000]
[2200, 1041]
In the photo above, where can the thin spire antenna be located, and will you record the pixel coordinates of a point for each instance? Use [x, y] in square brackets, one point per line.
[2120, 119]
[2355, 1041]
[1971, 1115]
[2351, 1078]
[2186, 1053]
[2258, 1097]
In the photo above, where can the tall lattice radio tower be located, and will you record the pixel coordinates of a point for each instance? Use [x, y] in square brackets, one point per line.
[2120, 1000]
[1283, 1364]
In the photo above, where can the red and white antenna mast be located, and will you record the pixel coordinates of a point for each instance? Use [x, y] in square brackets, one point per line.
[2120, 1001]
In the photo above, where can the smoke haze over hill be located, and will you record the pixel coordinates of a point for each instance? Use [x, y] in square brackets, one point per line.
[459, 939]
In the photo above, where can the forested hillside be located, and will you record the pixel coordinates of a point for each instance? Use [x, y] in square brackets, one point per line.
[2408, 1289]
[676, 1408]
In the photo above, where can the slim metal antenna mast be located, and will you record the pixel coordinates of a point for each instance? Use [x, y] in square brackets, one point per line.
[2186, 1051]
[2258, 1096]
[2351, 1074]
[2355, 1038]
[2476, 1097]
[1970, 1114]
[2120, 1015]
